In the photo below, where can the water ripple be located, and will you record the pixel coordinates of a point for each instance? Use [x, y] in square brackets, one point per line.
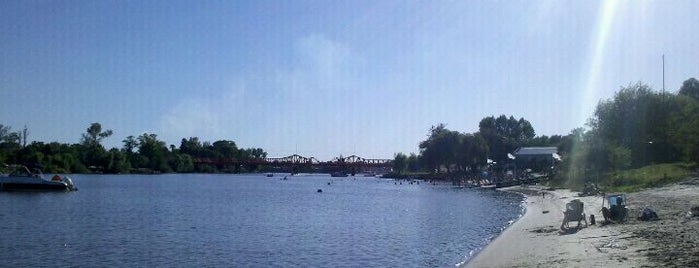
[249, 221]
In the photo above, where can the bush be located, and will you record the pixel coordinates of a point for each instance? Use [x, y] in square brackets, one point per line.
[648, 176]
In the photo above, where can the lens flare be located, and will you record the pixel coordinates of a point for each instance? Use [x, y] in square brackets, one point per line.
[599, 39]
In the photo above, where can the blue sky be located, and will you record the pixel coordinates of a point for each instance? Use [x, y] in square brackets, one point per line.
[323, 78]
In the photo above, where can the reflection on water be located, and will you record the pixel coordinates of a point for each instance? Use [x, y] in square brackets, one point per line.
[249, 220]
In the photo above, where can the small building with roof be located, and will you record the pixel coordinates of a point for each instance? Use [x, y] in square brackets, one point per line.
[536, 158]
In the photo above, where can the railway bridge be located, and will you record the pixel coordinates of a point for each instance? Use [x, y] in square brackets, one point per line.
[298, 163]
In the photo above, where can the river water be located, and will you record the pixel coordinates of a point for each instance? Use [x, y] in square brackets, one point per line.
[203, 220]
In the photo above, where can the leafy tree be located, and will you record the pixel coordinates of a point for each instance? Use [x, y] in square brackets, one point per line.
[690, 88]
[9, 144]
[503, 135]
[413, 163]
[637, 118]
[568, 141]
[155, 151]
[191, 146]
[251, 153]
[130, 143]
[685, 128]
[473, 151]
[225, 149]
[92, 153]
[95, 135]
[254, 153]
[6, 134]
[182, 163]
[619, 157]
[400, 163]
[440, 148]
[118, 162]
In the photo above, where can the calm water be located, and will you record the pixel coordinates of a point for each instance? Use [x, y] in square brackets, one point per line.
[249, 221]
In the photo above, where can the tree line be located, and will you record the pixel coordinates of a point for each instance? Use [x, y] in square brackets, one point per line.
[456, 152]
[141, 154]
[639, 126]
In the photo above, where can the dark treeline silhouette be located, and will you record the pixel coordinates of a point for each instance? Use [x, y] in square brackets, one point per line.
[635, 128]
[142, 154]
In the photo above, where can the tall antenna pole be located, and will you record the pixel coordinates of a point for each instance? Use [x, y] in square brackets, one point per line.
[663, 74]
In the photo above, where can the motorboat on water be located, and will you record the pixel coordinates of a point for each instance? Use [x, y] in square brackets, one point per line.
[21, 179]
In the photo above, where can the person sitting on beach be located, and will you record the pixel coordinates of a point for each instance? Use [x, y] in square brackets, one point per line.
[616, 208]
[574, 212]
[616, 212]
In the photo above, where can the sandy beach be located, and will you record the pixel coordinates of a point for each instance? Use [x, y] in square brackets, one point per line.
[536, 240]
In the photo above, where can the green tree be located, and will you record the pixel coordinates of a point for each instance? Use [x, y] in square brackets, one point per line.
[130, 143]
[95, 135]
[92, 152]
[440, 148]
[192, 147]
[256, 153]
[684, 133]
[503, 135]
[6, 135]
[251, 153]
[182, 163]
[118, 162]
[32, 156]
[690, 88]
[473, 151]
[400, 163]
[9, 144]
[155, 151]
[135, 160]
[619, 157]
[413, 163]
[637, 118]
[225, 149]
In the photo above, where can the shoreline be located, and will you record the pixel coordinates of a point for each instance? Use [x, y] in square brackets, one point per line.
[535, 240]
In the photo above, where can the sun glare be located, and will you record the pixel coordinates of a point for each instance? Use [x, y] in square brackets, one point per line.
[590, 94]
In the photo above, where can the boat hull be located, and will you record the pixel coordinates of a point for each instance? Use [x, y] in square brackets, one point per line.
[18, 186]
[21, 179]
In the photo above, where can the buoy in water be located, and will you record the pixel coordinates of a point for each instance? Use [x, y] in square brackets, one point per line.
[320, 190]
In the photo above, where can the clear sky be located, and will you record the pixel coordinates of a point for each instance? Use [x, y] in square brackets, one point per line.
[323, 78]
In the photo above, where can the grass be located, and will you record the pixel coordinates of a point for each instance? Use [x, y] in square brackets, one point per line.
[633, 180]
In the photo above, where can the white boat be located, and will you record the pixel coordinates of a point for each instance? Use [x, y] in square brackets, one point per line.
[21, 179]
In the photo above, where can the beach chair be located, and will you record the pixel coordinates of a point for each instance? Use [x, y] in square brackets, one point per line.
[617, 210]
[575, 211]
